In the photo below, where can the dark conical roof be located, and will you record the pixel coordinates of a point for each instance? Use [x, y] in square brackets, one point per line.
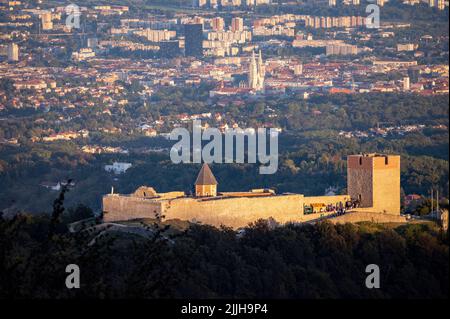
[205, 177]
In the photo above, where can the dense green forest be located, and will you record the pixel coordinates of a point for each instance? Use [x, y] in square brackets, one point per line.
[177, 260]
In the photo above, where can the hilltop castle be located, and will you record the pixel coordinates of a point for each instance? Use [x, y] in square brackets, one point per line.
[373, 184]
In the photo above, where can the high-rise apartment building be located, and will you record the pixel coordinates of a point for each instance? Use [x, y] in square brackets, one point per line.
[237, 24]
[341, 49]
[218, 24]
[193, 39]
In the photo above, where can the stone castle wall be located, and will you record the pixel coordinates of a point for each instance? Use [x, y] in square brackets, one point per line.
[235, 212]
[119, 207]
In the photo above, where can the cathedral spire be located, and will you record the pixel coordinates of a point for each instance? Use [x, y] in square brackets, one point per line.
[256, 72]
[253, 73]
[261, 72]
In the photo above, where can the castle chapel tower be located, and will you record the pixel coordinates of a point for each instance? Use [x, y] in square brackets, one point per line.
[206, 183]
[374, 180]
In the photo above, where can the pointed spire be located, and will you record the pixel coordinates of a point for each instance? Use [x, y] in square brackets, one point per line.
[260, 72]
[205, 176]
[253, 72]
[260, 63]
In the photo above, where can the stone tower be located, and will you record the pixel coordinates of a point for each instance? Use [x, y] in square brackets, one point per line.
[374, 179]
[206, 183]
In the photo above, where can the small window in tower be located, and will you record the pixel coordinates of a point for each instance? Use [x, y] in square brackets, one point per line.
[360, 161]
[386, 160]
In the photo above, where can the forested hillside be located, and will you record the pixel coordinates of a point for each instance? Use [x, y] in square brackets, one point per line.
[182, 261]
